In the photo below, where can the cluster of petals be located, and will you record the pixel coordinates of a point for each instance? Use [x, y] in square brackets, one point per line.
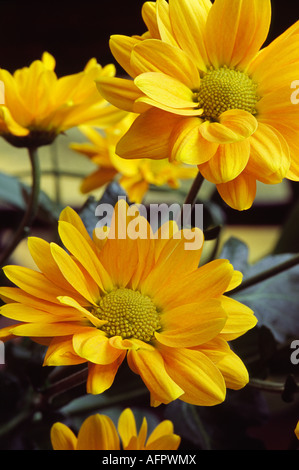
[135, 175]
[98, 432]
[189, 357]
[184, 40]
[37, 105]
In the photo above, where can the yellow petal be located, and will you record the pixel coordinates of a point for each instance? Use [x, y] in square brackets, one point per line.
[74, 275]
[200, 379]
[240, 192]
[174, 259]
[97, 179]
[62, 438]
[101, 377]
[34, 283]
[98, 433]
[121, 48]
[234, 126]
[48, 60]
[153, 55]
[192, 324]
[148, 137]
[269, 155]
[169, 442]
[60, 352]
[76, 243]
[40, 251]
[236, 30]
[9, 125]
[24, 313]
[208, 281]
[281, 55]
[84, 313]
[149, 16]
[233, 370]
[228, 162]
[166, 90]
[240, 318]
[188, 19]
[94, 346]
[127, 426]
[150, 367]
[120, 92]
[164, 23]
[48, 329]
[187, 144]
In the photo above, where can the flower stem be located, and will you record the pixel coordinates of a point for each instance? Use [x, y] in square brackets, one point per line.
[64, 385]
[192, 195]
[32, 207]
[196, 185]
[263, 276]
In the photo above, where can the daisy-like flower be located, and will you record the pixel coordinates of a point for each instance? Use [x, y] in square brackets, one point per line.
[98, 432]
[209, 94]
[38, 105]
[135, 176]
[136, 295]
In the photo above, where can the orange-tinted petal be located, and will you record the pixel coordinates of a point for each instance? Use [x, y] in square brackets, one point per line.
[155, 56]
[236, 30]
[62, 438]
[120, 92]
[150, 367]
[240, 192]
[101, 377]
[228, 162]
[192, 324]
[148, 137]
[200, 379]
[98, 433]
[234, 125]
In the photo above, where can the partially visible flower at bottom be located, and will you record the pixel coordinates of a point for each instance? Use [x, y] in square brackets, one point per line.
[98, 432]
[142, 299]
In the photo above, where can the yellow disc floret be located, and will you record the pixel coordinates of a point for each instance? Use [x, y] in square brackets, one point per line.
[128, 314]
[224, 89]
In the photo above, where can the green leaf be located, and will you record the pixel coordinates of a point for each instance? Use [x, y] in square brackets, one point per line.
[11, 191]
[275, 301]
[16, 194]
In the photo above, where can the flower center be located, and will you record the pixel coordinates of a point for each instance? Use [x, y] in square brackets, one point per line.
[129, 314]
[224, 89]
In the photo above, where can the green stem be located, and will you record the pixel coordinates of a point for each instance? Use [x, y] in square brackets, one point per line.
[263, 276]
[196, 185]
[192, 194]
[64, 385]
[32, 207]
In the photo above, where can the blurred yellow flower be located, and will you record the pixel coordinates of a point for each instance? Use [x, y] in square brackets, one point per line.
[140, 297]
[38, 105]
[98, 432]
[297, 430]
[207, 94]
[136, 175]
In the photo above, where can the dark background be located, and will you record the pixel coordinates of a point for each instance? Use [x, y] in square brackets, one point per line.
[76, 31]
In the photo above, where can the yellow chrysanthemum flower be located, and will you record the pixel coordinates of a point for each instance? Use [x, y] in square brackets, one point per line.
[98, 432]
[297, 430]
[207, 94]
[136, 175]
[38, 105]
[137, 295]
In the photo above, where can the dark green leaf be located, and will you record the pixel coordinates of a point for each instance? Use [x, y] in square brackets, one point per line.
[275, 301]
[16, 194]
